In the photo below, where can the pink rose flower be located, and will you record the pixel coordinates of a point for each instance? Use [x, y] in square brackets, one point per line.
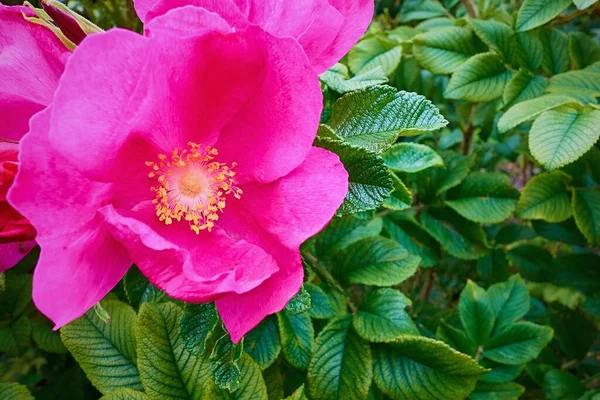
[187, 152]
[326, 29]
[31, 62]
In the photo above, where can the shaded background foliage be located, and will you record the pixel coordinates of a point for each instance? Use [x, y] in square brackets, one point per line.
[464, 263]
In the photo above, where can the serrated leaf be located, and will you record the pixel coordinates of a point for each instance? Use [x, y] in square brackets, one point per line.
[510, 301]
[297, 338]
[527, 50]
[556, 50]
[299, 303]
[583, 4]
[497, 391]
[375, 117]
[434, 182]
[584, 50]
[419, 368]
[375, 52]
[424, 9]
[14, 391]
[381, 316]
[167, 368]
[522, 87]
[252, 384]
[342, 232]
[274, 382]
[401, 198]
[369, 179]
[340, 367]
[500, 373]
[517, 344]
[586, 209]
[494, 34]
[459, 237]
[530, 109]
[560, 136]
[298, 394]
[545, 197]
[585, 82]
[534, 13]
[196, 324]
[487, 198]
[321, 308]
[476, 313]
[105, 352]
[48, 340]
[457, 338]
[338, 78]
[442, 51]
[262, 342]
[532, 262]
[138, 289]
[224, 363]
[126, 394]
[481, 78]
[375, 261]
[411, 157]
[413, 238]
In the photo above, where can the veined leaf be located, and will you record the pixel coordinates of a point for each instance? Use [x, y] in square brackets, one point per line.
[584, 50]
[413, 238]
[482, 78]
[527, 50]
[499, 391]
[560, 136]
[338, 78]
[476, 313]
[298, 394]
[342, 232]
[262, 342]
[47, 339]
[401, 198]
[494, 34]
[126, 394]
[411, 157]
[500, 373]
[522, 87]
[584, 82]
[373, 53]
[532, 262]
[530, 109]
[457, 338]
[534, 13]
[299, 303]
[510, 301]
[442, 51]
[196, 324]
[340, 367]
[583, 4]
[252, 384]
[586, 208]
[433, 182]
[297, 338]
[545, 197]
[14, 391]
[556, 50]
[321, 307]
[518, 344]
[224, 363]
[139, 290]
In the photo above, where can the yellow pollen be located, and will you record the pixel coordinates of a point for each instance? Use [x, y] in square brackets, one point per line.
[191, 186]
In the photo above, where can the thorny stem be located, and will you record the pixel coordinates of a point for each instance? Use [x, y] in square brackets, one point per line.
[471, 10]
[468, 138]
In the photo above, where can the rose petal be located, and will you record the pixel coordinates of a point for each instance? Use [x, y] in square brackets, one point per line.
[12, 253]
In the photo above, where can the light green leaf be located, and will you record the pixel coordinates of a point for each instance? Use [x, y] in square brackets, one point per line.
[375, 52]
[369, 179]
[196, 324]
[494, 34]
[375, 261]
[262, 342]
[424, 9]
[321, 308]
[340, 367]
[47, 339]
[560, 136]
[586, 209]
[518, 344]
[297, 338]
[583, 4]
[411, 157]
[585, 82]
[125, 394]
[419, 368]
[482, 78]
[105, 352]
[14, 391]
[413, 238]
[224, 363]
[298, 394]
[338, 78]
[534, 13]
[252, 384]
[476, 313]
[584, 50]
[299, 303]
[139, 290]
[459, 237]
[401, 198]
[510, 301]
[442, 51]
[530, 109]
[167, 368]
[522, 87]
[487, 198]
[556, 50]
[381, 316]
[375, 117]
[545, 197]
[527, 50]
[497, 391]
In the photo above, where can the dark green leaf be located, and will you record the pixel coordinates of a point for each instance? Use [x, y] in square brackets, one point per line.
[518, 344]
[262, 342]
[196, 324]
[476, 313]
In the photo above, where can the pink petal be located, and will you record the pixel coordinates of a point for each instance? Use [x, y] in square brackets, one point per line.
[32, 61]
[226, 9]
[12, 253]
[190, 267]
[186, 21]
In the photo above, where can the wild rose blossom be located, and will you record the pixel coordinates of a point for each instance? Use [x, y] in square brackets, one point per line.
[187, 152]
[31, 62]
[326, 29]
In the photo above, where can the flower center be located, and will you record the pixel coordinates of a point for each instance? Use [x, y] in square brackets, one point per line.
[192, 186]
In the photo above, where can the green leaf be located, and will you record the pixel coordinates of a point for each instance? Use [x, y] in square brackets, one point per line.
[583, 4]
[527, 50]
[321, 308]
[411, 157]
[17, 294]
[373, 53]
[518, 344]
[476, 313]
[105, 351]
[496, 35]
[338, 78]
[497, 391]
[274, 382]
[482, 78]
[532, 262]
[487, 198]
[139, 290]
[342, 232]
[522, 87]
[299, 303]
[224, 363]
[494, 266]
[298, 394]
[375, 261]
[545, 197]
[381, 316]
[586, 209]
[425, 9]
[501, 373]
[559, 137]
[510, 301]
[419, 368]
[14, 391]
[15, 337]
[196, 324]
[434, 182]
[566, 232]
[262, 342]
[556, 50]
[442, 51]
[340, 367]
[297, 338]
[167, 368]
[584, 50]
[457, 338]
[373, 118]
[530, 109]
[252, 384]
[459, 237]
[561, 385]
[413, 238]
[369, 180]
[534, 13]
[585, 82]
[401, 197]
[125, 394]
[48, 340]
